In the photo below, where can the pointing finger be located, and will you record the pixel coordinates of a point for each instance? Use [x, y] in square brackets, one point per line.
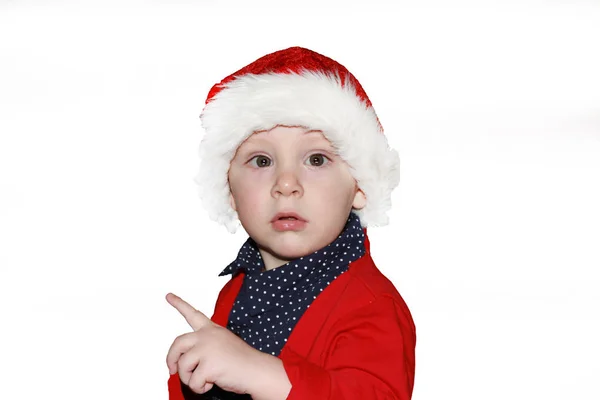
[194, 318]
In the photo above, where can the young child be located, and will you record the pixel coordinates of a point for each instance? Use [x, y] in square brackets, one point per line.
[294, 150]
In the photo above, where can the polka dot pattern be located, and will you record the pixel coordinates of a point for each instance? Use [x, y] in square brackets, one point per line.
[270, 303]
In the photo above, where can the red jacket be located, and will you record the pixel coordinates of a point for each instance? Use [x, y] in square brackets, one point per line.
[355, 341]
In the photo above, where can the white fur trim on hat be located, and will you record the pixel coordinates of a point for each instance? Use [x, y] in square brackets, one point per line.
[311, 99]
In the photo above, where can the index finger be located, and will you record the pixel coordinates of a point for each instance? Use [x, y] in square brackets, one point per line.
[194, 318]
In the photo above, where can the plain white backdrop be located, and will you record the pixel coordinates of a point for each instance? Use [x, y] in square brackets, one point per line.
[494, 239]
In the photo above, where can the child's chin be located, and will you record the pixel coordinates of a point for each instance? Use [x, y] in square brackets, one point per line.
[291, 251]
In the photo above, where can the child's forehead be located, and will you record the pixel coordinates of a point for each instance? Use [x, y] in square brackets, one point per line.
[278, 133]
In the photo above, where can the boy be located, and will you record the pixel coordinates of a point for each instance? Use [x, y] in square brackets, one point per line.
[295, 151]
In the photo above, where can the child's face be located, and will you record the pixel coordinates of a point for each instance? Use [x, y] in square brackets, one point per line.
[291, 169]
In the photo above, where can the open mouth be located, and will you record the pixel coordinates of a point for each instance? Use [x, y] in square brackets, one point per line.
[283, 223]
[288, 216]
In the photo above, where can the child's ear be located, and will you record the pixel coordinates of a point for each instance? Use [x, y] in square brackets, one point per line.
[360, 200]
[232, 201]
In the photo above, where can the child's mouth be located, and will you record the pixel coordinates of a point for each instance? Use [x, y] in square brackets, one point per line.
[289, 224]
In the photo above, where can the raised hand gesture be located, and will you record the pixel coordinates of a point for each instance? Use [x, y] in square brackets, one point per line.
[211, 354]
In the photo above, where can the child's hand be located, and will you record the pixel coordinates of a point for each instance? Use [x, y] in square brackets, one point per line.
[211, 354]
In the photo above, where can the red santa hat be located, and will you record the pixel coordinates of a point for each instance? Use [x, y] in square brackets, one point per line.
[295, 87]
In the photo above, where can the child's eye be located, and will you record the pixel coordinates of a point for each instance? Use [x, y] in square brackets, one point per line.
[317, 160]
[261, 161]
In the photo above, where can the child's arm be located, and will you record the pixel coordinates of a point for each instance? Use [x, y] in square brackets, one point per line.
[372, 358]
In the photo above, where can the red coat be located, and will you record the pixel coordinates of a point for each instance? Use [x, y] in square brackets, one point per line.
[355, 341]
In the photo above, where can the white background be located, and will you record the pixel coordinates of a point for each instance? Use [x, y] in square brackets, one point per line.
[495, 229]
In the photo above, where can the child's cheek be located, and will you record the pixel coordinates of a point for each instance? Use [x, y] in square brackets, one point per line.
[256, 181]
[259, 175]
[321, 176]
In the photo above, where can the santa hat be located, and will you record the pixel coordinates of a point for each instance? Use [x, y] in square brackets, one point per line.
[295, 87]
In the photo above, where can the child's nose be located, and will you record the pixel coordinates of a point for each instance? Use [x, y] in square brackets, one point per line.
[287, 184]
